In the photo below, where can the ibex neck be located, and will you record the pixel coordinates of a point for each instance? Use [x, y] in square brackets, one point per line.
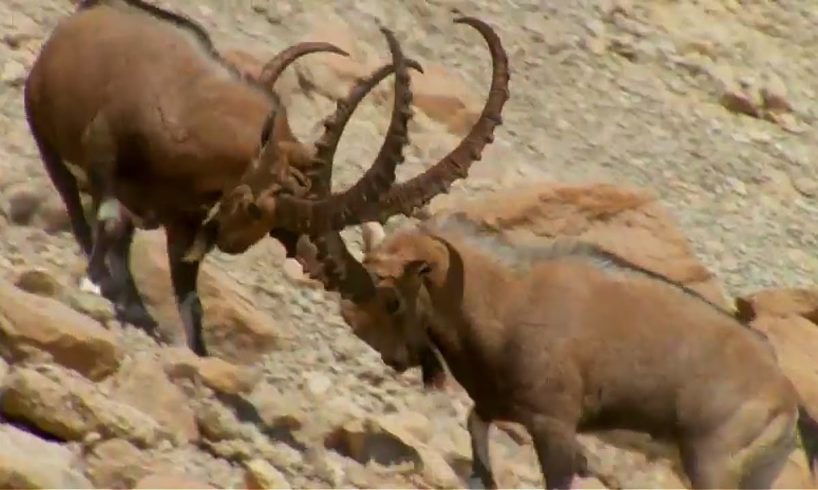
[467, 327]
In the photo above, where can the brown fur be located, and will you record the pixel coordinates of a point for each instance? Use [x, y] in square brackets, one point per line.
[573, 342]
[136, 101]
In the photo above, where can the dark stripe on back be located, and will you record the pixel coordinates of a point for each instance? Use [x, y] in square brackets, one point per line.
[190, 25]
[180, 20]
[521, 257]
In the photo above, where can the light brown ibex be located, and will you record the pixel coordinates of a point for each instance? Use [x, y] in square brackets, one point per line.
[570, 338]
[136, 102]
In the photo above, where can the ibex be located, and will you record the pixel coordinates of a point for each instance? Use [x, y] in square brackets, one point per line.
[136, 104]
[570, 338]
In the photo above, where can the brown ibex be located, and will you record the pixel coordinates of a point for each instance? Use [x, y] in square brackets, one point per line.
[137, 102]
[571, 338]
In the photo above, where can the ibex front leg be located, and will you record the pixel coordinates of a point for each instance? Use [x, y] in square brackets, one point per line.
[558, 452]
[481, 475]
[184, 275]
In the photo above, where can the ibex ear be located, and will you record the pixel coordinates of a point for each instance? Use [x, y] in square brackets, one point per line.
[417, 268]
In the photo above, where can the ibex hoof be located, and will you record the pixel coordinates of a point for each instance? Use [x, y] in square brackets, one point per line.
[138, 316]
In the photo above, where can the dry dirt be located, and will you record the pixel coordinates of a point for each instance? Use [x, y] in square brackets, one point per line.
[709, 104]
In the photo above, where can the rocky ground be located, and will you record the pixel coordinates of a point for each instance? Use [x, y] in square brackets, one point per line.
[700, 115]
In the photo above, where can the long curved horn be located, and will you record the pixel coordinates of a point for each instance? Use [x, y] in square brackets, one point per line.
[336, 268]
[334, 125]
[273, 68]
[407, 196]
[312, 217]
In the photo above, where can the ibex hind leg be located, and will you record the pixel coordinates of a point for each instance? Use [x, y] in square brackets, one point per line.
[66, 185]
[767, 454]
[126, 298]
[747, 451]
[559, 454]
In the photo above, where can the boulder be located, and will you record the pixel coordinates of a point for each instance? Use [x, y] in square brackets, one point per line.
[59, 402]
[116, 463]
[30, 323]
[215, 373]
[27, 461]
[388, 442]
[167, 404]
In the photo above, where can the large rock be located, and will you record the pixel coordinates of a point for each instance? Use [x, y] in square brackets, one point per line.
[27, 461]
[116, 463]
[166, 404]
[259, 474]
[629, 222]
[30, 323]
[233, 328]
[789, 318]
[215, 373]
[782, 302]
[60, 402]
[387, 441]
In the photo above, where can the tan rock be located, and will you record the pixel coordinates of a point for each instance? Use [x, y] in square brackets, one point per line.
[215, 373]
[788, 317]
[166, 404]
[385, 441]
[27, 461]
[60, 402]
[38, 281]
[740, 102]
[629, 222]
[169, 481]
[260, 474]
[233, 328]
[90, 304]
[52, 215]
[116, 463]
[780, 302]
[22, 201]
[774, 95]
[28, 321]
[587, 483]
